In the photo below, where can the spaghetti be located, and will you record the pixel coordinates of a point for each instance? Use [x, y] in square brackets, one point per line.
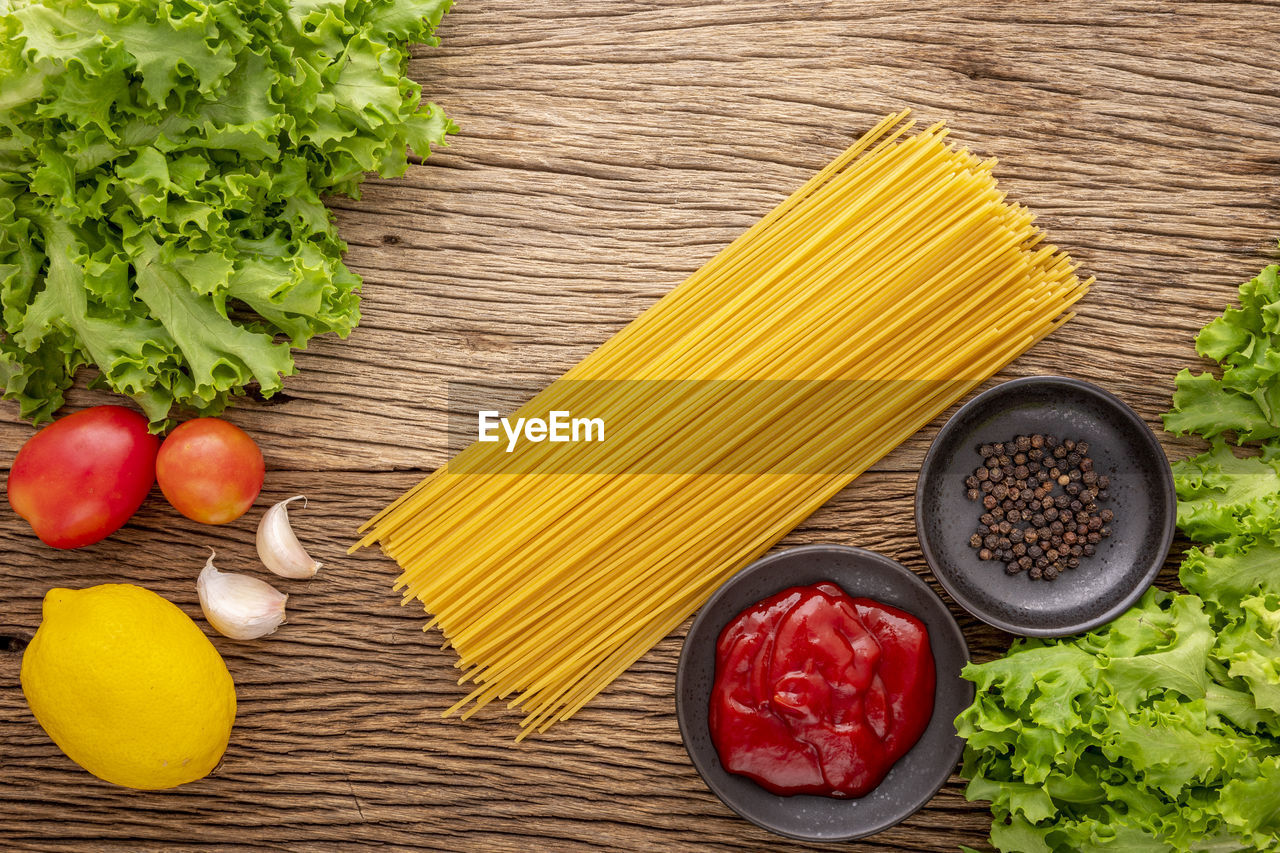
[870, 300]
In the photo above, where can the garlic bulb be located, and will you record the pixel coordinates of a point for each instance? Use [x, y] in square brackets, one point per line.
[278, 546]
[239, 606]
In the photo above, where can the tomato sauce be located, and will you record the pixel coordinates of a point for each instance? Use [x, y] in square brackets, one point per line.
[820, 693]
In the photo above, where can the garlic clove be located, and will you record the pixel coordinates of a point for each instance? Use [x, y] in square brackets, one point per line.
[239, 606]
[278, 546]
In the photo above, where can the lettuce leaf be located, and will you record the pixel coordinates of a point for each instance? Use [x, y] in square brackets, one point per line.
[162, 168]
[1246, 342]
[1125, 738]
[1161, 730]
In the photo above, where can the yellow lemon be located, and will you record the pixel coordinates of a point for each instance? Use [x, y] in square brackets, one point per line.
[128, 687]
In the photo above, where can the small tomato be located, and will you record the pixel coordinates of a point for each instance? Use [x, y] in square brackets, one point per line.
[210, 470]
[80, 478]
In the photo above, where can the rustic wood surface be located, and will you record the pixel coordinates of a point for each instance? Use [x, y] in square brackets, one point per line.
[609, 147]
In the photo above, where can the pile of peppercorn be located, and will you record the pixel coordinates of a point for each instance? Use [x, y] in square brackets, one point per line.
[1041, 499]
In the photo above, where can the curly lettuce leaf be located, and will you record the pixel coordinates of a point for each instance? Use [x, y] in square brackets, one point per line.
[1246, 399]
[1161, 730]
[1221, 495]
[1226, 573]
[1117, 740]
[162, 166]
[1250, 647]
[1252, 806]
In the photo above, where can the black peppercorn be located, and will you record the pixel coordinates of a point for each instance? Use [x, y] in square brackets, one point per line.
[1040, 498]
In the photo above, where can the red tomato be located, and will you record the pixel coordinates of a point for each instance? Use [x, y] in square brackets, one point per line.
[210, 470]
[81, 477]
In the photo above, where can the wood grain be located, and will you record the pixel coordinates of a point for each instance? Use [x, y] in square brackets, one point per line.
[609, 147]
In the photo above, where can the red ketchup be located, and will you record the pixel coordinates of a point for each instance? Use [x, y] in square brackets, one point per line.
[820, 693]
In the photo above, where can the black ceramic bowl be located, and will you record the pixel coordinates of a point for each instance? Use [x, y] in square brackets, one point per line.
[913, 780]
[1141, 496]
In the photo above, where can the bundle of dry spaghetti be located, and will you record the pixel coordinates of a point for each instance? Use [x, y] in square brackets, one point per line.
[879, 293]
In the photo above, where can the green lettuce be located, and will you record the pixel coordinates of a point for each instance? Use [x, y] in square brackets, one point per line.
[162, 170]
[1128, 737]
[1161, 730]
[1245, 341]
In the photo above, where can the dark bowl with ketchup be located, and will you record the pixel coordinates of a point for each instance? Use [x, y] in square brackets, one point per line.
[807, 674]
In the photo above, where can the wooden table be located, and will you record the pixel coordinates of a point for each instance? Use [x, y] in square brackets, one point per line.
[609, 147]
